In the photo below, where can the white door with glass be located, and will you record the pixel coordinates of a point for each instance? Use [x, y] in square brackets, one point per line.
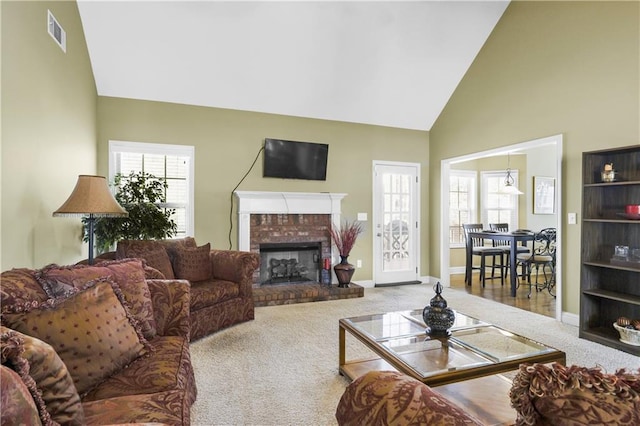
[395, 222]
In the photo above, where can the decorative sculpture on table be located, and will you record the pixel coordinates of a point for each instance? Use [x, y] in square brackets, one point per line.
[608, 173]
[437, 316]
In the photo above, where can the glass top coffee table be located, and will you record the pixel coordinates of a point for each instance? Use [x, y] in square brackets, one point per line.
[474, 349]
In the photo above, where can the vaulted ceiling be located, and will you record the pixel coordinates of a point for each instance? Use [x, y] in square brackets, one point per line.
[388, 63]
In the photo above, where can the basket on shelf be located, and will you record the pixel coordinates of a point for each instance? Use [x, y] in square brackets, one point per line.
[629, 336]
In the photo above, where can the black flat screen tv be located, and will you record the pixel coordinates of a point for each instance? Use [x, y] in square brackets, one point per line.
[295, 160]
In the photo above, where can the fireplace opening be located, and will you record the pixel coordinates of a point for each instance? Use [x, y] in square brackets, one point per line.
[290, 263]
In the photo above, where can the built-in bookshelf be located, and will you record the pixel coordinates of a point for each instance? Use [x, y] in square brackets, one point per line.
[609, 284]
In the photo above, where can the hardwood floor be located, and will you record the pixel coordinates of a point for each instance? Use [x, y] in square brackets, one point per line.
[541, 302]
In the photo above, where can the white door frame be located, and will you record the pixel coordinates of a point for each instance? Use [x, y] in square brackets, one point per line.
[376, 219]
[444, 204]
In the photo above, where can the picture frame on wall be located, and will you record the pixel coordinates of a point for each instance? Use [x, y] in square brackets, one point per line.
[544, 195]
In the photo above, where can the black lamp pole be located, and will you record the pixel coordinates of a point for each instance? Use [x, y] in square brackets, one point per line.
[91, 221]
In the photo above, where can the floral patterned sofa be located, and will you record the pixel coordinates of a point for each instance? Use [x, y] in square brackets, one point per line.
[221, 280]
[541, 395]
[94, 345]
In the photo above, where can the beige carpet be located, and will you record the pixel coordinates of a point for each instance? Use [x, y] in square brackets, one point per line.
[282, 368]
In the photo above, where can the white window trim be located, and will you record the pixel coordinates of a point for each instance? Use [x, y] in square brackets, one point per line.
[484, 193]
[473, 197]
[160, 149]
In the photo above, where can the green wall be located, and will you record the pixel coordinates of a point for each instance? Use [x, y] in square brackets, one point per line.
[227, 142]
[48, 132]
[548, 68]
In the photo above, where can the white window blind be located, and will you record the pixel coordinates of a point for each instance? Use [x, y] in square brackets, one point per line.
[498, 207]
[174, 163]
[462, 203]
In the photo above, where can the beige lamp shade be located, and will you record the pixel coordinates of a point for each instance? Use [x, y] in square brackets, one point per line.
[91, 196]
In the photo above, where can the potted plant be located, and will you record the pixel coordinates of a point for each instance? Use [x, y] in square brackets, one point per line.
[344, 238]
[141, 195]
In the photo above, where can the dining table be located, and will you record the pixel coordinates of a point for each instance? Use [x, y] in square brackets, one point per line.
[512, 239]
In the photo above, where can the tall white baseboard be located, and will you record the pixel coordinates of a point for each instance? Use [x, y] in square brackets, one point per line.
[365, 283]
[570, 319]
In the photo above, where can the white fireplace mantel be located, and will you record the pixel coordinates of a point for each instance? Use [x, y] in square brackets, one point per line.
[265, 202]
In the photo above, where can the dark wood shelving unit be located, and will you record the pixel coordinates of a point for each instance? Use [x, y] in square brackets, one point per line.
[608, 288]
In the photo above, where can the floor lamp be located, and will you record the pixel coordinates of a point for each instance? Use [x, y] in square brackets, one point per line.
[92, 198]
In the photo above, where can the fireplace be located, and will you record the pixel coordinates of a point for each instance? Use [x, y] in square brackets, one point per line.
[285, 225]
[292, 247]
[273, 220]
[290, 263]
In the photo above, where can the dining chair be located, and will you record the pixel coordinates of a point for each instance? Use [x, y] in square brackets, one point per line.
[542, 256]
[478, 248]
[505, 244]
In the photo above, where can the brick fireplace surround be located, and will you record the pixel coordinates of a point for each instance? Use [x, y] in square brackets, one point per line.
[289, 228]
[291, 217]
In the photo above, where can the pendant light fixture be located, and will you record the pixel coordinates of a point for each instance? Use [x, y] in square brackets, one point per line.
[509, 182]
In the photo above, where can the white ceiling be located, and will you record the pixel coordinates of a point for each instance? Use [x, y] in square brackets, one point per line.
[388, 63]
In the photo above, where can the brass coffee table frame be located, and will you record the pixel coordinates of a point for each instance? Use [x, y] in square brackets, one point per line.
[480, 360]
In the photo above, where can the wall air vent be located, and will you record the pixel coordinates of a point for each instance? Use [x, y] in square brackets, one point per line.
[56, 31]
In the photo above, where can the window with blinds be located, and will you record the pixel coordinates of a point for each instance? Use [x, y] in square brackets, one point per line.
[462, 203]
[497, 206]
[174, 163]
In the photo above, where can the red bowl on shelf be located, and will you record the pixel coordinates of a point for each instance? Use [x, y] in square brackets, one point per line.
[633, 209]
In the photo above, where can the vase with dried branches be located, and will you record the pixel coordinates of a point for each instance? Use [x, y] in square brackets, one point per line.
[344, 238]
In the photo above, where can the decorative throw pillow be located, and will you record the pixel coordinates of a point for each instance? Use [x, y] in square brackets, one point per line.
[153, 252]
[50, 375]
[152, 273]
[574, 395]
[12, 357]
[20, 286]
[18, 406]
[193, 264]
[129, 274]
[92, 331]
[171, 245]
[61, 287]
[392, 398]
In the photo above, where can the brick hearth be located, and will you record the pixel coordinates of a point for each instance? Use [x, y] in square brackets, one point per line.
[285, 294]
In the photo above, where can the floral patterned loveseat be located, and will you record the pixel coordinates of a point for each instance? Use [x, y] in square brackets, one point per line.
[221, 280]
[95, 345]
[547, 395]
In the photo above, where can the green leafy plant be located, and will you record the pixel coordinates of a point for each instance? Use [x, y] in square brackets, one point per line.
[141, 194]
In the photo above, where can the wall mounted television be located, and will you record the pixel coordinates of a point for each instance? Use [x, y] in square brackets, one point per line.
[295, 160]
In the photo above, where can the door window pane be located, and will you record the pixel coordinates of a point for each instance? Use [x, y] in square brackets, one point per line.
[397, 204]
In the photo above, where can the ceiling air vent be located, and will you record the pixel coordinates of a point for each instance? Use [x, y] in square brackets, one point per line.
[56, 31]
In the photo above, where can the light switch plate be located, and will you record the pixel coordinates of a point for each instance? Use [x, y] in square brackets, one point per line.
[362, 217]
[572, 218]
